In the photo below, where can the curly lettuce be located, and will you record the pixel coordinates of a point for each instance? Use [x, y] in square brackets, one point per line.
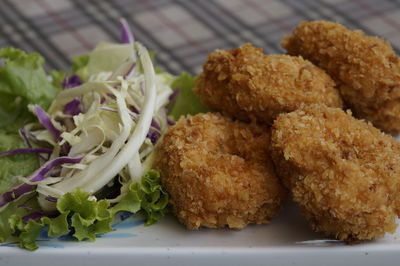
[79, 214]
[23, 81]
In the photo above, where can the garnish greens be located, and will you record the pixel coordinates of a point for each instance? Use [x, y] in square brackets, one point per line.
[75, 150]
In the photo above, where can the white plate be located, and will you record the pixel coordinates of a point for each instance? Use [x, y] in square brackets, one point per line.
[286, 241]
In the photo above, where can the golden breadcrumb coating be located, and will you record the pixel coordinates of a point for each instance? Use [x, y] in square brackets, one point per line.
[218, 172]
[247, 84]
[343, 172]
[366, 68]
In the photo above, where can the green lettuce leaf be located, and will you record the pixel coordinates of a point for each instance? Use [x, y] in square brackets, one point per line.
[11, 215]
[81, 214]
[57, 78]
[85, 214]
[79, 64]
[28, 233]
[13, 228]
[77, 210]
[23, 81]
[14, 165]
[13, 114]
[146, 195]
[187, 102]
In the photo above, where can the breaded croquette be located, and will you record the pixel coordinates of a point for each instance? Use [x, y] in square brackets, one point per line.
[366, 68]
[343, 172]
[219, 173]
[245, 83]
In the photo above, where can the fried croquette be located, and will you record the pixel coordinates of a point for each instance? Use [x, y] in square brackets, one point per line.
[366, 68]
[247, 84]
[218, 172]
[343, 172]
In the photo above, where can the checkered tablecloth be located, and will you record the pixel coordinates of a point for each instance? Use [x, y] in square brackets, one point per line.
[182, 32]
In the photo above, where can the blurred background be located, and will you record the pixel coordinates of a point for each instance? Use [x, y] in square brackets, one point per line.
[182, 32]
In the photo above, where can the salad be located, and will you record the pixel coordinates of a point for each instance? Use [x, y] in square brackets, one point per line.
[77, 149]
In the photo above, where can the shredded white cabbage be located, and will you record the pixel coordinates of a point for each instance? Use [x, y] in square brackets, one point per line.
[112, 132]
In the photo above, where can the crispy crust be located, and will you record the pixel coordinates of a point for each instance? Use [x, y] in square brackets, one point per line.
[343, 172]
[218, 172]
[247, 84]
[366, 68]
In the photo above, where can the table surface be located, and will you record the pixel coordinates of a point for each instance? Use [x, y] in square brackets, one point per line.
[182, 32]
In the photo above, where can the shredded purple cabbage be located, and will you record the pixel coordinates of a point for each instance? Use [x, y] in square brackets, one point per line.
[23, 132]
[126, 33]
[174, 95]
[71, 82]
[32, 216]
[131, 68]
[22, 206]
[153, 136]
[29, 136]
[74, 107]
[26, 150]
[15, 193]
[155, 124]
[45, 120]
[170, 122]
[127, 37]
[172, 98]
[39, 175]
[51, 199]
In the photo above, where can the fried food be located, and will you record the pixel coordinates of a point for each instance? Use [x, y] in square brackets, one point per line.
[343, 172]
[218, 172]
[247, 84]
[366, 68]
